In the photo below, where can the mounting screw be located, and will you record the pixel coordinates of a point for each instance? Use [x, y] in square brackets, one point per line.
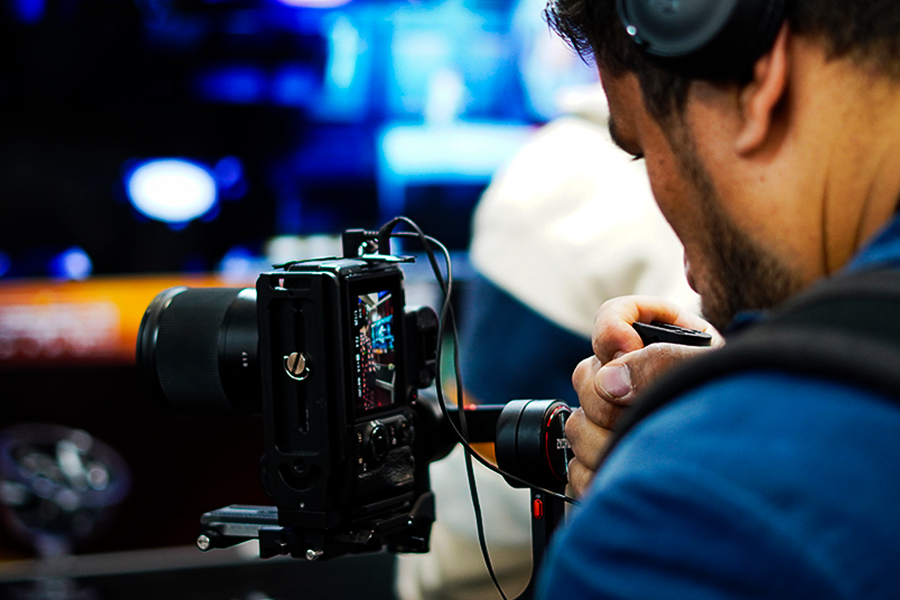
[312, 555]
[296, 365]
[204, 543]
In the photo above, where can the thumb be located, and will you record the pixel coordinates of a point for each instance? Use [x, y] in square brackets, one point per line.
[619, 380]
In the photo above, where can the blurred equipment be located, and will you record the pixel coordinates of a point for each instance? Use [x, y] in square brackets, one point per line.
[59, 489]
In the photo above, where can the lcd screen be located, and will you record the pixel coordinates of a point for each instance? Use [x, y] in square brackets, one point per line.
[375, 351]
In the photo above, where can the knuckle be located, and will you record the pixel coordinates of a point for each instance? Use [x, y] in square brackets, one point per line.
[579, 476]
[582, 370]
[573, 425]
[582, 379]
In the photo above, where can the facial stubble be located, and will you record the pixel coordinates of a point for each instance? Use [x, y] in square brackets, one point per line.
[741, 275]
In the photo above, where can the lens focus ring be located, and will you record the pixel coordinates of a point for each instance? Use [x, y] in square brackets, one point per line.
[181, 348]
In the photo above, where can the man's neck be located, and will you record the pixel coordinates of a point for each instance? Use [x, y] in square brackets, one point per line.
[855, 116]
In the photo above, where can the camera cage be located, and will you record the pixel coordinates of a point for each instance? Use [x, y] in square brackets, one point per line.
[346, 464]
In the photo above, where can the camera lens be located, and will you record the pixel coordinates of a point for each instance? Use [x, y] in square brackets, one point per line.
[197, 351]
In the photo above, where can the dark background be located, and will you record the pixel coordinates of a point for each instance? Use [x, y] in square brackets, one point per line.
[298, 96]
[181, 466]
[295, 100]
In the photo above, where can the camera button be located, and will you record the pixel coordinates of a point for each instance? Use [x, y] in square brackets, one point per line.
[377, 442]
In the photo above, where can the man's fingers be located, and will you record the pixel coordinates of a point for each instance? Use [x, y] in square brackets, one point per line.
[602, 411]
[613, 331]
[643, 367]
[621, 367]
[580, 477]
[616, 383]
[586, 438]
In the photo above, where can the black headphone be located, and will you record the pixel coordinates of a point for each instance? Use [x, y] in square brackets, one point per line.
[703, 38]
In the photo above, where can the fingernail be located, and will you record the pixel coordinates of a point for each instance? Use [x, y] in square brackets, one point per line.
[615, 381]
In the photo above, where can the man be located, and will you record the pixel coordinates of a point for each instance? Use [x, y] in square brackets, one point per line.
[762, 483]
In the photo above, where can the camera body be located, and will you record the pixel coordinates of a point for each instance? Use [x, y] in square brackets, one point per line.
[336, 401]
[327, 352]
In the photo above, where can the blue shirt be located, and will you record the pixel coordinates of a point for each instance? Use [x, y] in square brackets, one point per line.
[758, 485]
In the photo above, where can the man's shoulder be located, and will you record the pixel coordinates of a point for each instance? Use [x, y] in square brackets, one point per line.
[760, 403]
[760, 479]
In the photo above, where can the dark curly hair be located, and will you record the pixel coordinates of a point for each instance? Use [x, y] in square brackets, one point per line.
[867, 31]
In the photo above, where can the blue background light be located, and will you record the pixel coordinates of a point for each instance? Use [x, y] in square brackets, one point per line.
[29, 11]
[5, 263]
[314, 3]
[73, 263]
[172, 190]
[294, 120]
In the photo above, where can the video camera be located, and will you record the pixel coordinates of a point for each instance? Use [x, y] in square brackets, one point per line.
[327, 351]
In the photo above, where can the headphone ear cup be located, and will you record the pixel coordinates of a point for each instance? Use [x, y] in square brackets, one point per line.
[703, 38]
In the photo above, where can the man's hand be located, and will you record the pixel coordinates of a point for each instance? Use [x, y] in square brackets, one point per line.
[621, 367]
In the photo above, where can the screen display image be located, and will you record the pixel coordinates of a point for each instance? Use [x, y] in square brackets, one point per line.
[375, 352]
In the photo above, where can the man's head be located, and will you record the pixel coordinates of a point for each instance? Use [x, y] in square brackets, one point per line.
[746, 168]
[865, 30]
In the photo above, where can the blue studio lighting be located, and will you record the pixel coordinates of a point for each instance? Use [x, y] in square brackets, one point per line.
[229, 174]
[314, 3]
[240, 265]
[235, 84]
[289, 84]
[29, 12]
[5, 263]
[172, 190]
[73, 263]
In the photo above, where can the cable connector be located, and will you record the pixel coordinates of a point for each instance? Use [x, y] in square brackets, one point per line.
[359, 242]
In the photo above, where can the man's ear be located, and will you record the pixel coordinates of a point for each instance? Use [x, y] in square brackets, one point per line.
[761, 96]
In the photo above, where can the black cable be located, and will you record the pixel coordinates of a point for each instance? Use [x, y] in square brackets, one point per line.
[447, 317]
[461, 436]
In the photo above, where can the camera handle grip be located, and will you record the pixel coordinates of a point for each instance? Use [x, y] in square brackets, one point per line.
[547, 513]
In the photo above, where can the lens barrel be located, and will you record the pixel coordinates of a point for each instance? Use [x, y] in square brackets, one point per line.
[197, 351]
